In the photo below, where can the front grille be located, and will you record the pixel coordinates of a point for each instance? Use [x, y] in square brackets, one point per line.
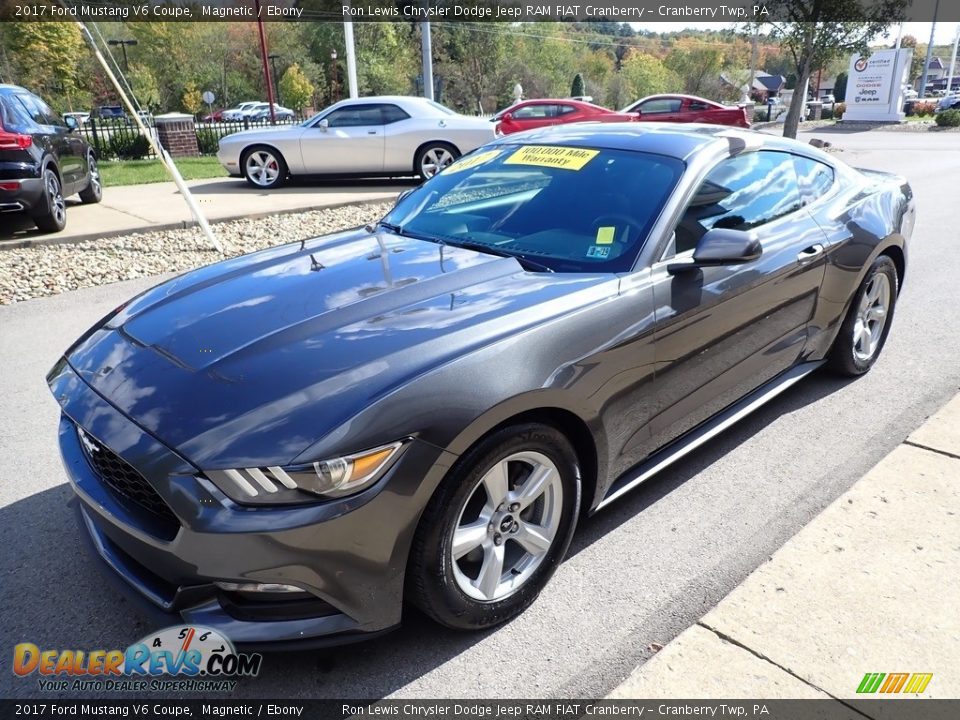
[118, 475]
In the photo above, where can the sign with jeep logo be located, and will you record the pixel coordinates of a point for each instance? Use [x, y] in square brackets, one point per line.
[875, 87]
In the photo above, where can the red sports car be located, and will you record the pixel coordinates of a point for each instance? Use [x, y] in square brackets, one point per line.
[687, 108]
[215, 116]
[531, 114]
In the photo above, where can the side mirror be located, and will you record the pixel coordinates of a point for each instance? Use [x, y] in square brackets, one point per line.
[721, 246]
[507, 117]
[71, 122]
[323, 124]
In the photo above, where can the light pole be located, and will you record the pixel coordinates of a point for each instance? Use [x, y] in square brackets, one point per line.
[263, 58]
[334, 90]
[123, 44]
[926, 63]
[276, 83]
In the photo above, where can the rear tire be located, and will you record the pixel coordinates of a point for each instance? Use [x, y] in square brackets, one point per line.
[93, 192]
[865, 328]
[434, 157]
[496, 529]
[264, 168]
[53, 216]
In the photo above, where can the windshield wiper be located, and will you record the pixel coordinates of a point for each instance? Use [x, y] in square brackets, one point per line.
[525, 262]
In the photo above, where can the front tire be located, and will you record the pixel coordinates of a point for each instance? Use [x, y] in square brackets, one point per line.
[496, 529]
[434, 157]
[865, 328]
[53, 216]
[264, 168]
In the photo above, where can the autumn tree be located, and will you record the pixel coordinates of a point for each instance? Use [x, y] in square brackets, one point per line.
[824, 30]
[295, 89]
[144, 86]
[192, 99]
[45, 57]
[644, 74]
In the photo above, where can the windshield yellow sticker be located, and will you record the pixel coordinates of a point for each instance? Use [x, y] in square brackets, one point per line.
[566, 158]
[605, 235]
[472, 161]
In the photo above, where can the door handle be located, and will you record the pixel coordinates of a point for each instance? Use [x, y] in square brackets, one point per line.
[371, 132]
[810, 253]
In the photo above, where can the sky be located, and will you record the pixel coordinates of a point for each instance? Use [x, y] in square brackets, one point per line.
[945, 34]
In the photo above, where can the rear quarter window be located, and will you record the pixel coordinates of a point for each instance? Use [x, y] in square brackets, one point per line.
[814, 178]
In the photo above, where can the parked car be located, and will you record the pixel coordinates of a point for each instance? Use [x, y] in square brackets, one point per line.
[531, 114]
[215, 116]
[949, 102]
[42, 160]
[237, 112]
[110, 112]
[687, 108]
[307, 436]
[388, 135]
[280, 112]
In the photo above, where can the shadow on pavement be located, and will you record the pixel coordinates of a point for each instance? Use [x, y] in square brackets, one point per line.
[20, 226]
[53, 593]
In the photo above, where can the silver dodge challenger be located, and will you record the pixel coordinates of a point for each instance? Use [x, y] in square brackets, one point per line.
[387, 135]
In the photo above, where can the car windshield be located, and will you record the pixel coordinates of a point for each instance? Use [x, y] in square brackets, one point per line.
[566, 209]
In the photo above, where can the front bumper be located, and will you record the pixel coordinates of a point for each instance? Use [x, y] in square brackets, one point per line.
[348, 555]
[230, 161]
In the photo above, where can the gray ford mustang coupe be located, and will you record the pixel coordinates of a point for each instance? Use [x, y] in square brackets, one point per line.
[288, 445]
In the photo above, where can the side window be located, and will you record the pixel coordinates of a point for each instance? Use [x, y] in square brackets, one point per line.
[565, 109]
[38, 110]
[740, 193]
[660, 105]
[392, 114]
[697, 106]
[14, 116]
[533, 112]
[815, 178]
[355, 116]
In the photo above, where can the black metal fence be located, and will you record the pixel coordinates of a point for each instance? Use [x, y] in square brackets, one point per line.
[120, 138]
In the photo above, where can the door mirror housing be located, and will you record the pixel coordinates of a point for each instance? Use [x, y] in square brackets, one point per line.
[323, 124]
[721, 246]
[71, 122]
[507, 117]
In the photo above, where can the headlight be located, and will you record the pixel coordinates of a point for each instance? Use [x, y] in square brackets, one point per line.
[333, 478]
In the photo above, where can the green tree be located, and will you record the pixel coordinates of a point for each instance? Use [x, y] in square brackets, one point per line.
[45, 57]
[576, 89]
[295, 89]
[697, 64]
[840, 87]
[192, 99]
[644, 74]
[822, 33]
[144, 86]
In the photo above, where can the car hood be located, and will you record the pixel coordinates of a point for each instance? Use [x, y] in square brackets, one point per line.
[250, 361]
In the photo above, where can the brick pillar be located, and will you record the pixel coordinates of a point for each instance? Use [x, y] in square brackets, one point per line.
[177, 134]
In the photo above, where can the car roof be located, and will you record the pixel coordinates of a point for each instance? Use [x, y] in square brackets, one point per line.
[7, 88]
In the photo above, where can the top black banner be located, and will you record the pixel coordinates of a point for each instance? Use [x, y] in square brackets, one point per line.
[633, 11]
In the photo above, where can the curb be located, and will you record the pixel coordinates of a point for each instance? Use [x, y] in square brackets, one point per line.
[859, 589]
[181, 225]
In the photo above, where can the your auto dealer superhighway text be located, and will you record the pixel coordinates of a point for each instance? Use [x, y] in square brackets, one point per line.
[449, 12]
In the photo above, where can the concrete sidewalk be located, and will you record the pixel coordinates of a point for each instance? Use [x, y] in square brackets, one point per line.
[871, 585]
[158, 206]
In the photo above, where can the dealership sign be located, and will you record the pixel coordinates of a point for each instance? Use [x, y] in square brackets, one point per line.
[875, 86]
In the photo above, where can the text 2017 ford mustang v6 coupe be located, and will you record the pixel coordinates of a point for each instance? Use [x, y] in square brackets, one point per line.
[290, 444]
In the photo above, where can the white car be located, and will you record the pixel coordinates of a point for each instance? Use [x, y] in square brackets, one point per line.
[390, 135]
[237, 112]
[948, 102]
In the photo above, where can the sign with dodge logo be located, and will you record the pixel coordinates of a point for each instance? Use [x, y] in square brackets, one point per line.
[875, 85]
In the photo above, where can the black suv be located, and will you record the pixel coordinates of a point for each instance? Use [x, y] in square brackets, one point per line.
[42, 160]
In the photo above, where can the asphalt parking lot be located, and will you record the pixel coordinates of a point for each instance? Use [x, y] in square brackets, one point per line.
[638, 573]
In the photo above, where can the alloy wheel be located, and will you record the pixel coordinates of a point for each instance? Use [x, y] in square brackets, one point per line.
[94, 176]
[58, 206]
[507, 526]
[871, 317]
[262, 168]
[434, 160]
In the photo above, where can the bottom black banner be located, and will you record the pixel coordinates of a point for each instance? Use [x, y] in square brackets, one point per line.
[894, 709]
